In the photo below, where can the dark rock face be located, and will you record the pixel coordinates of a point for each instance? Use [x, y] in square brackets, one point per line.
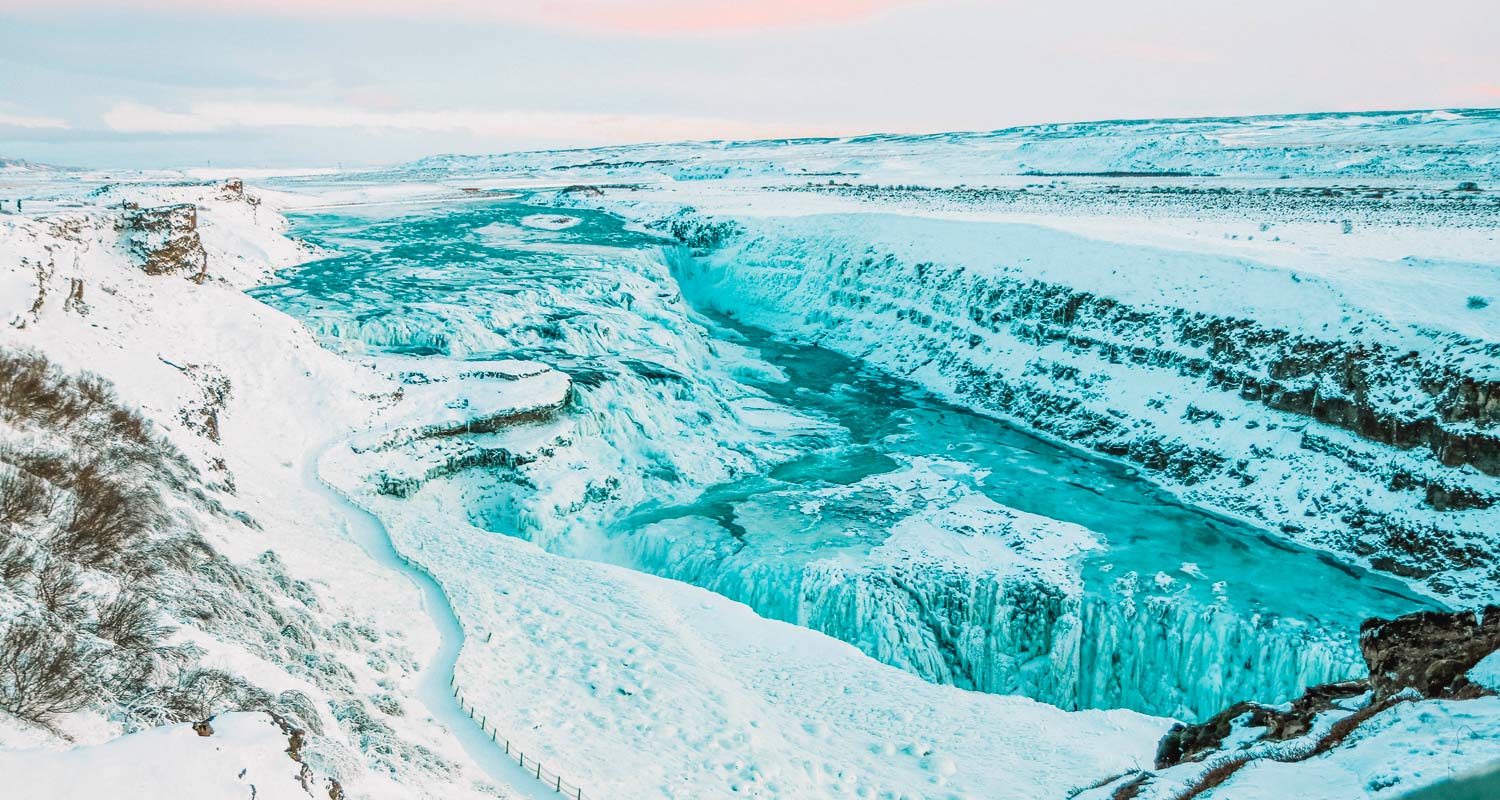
[1195, 742]
[165, 241]
[1429, 651]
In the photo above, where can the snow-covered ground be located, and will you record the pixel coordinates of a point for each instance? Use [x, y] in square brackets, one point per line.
[1253, 309]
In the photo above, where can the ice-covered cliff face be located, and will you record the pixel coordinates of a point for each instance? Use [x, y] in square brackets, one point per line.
[1245, 394]
[815, 491]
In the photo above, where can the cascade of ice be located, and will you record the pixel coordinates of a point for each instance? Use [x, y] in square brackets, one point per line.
[1031, 628]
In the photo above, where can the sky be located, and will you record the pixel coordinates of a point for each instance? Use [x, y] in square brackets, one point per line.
[179, 83]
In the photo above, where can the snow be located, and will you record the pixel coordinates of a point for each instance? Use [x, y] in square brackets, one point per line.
[724, 698]
[640, 687]
[1487, 672]
[1399, 751]
[898, 277]
[921, 570]
[244, 757]
[288, 396]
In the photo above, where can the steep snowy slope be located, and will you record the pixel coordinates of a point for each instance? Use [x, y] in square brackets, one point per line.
[292, 610]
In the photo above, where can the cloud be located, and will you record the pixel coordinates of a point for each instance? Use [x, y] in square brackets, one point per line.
[561, 126]
[12, 120]
[1158, 53]
[642, 17]
[136, 118]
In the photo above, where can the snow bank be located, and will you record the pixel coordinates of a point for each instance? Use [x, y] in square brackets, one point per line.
[245, 756]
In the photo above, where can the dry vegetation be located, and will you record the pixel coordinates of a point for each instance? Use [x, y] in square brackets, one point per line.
[90, 551]
[101, 559]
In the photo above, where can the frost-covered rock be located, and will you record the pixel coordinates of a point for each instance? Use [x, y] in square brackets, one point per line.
[164, 240]
[1386, 732]
[1487, 672]
[1430, 652]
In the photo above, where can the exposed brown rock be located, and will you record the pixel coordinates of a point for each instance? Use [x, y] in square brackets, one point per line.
[1429, 651]
[164, 240]
[1195, 742]
[1426, 653]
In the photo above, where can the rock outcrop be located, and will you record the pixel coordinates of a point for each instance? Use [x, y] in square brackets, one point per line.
[1429, 652]
[164, 240]
[1421, 656]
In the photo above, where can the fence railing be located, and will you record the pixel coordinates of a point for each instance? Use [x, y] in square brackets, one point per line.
[531, 766]
[548, 778]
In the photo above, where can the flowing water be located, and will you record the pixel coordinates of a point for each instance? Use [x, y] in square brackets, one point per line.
[1180, 612]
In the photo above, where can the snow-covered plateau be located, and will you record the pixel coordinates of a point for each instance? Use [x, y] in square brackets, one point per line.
[1057, 461]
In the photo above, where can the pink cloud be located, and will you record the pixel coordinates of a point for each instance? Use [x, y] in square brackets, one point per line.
[641, 17]
[1472, 93]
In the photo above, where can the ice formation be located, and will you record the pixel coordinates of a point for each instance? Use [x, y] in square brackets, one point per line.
[674, 418]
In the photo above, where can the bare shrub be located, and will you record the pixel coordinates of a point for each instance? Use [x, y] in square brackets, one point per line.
[59, 588]
[17, 560]
[86, 406]
[298, 706]
[201, 693]
[108, 517]
[53, 467]
[1213, 778]
[27, 384]
[182, 552]
[131, 621]
[44, 672]
[25, 499]
[33, 389]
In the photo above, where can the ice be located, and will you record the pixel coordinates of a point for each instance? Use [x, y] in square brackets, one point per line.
[710, 416]
[789, 479]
